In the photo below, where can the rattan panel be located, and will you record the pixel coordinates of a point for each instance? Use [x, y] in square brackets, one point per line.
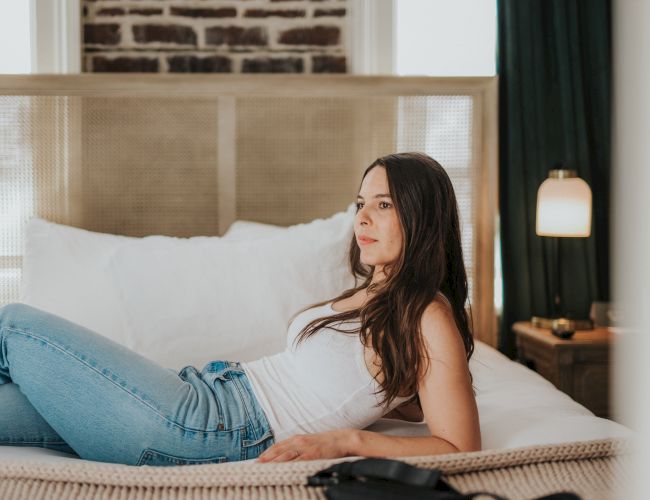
[302, 158]
[17, 154]
[441, 126]
[150, 165]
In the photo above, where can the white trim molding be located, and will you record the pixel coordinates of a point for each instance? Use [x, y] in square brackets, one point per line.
[372, 49]
[55, 36]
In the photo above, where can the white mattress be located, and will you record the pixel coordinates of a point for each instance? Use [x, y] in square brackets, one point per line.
[517, 407]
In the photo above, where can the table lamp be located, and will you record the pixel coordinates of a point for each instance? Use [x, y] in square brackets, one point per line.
[563, 211]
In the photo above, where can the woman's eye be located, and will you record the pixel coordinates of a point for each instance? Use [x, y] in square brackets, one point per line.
[387, 205]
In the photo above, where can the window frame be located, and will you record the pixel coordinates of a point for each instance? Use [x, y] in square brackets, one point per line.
[55, 35]
[372, 50]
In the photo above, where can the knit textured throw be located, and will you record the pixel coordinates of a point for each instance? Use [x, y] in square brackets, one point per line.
[592, 469]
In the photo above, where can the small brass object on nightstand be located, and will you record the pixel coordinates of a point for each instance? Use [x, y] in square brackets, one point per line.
[563, 328]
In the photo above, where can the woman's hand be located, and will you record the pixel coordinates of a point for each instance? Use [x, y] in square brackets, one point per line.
[330, 444]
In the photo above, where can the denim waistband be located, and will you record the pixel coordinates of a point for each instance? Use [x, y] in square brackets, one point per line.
[260, 427]
[259, 435]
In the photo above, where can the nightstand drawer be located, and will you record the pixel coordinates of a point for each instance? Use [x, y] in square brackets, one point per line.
[579, 366]
[591, 387]
[538, 359]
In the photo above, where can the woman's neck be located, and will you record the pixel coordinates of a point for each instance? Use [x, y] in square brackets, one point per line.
[378, 275]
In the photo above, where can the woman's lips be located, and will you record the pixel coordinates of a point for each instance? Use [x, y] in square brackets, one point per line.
[366, 241]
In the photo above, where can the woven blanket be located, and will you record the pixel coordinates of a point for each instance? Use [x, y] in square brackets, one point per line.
[593, 469]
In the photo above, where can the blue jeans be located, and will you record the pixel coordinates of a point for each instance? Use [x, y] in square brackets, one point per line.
[67, 388]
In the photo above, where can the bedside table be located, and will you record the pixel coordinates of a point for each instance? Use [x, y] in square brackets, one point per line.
[578, 366]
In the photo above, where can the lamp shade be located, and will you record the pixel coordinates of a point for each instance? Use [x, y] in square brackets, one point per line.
[563, 206]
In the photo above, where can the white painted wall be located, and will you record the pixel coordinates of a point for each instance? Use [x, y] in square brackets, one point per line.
[423, 37]
[40, 36]
[630, 229]
[15, 44]
[445, 38]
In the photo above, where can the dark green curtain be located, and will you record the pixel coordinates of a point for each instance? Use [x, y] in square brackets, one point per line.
[554, 64]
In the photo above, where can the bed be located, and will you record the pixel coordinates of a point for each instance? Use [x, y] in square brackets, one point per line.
[517, 408]
[116, 189]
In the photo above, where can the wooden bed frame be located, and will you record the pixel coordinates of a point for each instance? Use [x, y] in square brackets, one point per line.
[186, 155]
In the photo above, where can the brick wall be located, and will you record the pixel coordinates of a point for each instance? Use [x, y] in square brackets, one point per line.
[227, 36]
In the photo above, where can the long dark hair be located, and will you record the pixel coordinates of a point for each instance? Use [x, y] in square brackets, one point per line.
[430, 263]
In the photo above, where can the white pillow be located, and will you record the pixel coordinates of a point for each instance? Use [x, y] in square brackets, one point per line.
[243, 229]
[191, 301]
[66, 272]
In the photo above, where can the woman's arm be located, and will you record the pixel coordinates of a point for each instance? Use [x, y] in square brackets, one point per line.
[447, 400]
[352, 442]
[445, 390]
[446, 396]
[374, 444]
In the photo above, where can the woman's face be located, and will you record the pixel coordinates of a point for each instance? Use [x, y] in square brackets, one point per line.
[377, 219]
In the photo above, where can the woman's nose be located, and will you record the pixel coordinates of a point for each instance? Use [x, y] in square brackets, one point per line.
[362, 216]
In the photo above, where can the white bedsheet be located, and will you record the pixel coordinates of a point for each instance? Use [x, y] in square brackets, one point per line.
[517, 407]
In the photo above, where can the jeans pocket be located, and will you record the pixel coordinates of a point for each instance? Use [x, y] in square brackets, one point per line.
[157, 458]
[252, 448]
[223, 370]
[227, 373]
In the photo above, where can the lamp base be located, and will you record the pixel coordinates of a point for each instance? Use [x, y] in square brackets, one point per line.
[562, 327]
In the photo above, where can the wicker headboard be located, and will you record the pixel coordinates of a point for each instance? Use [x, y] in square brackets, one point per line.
[186, 155]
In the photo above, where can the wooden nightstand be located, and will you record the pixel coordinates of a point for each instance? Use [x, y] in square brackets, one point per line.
[578, 366]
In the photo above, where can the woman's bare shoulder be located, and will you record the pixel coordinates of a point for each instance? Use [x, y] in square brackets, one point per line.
[439, 312]
[441, 301]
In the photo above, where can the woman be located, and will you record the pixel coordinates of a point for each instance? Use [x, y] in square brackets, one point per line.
[403, 353]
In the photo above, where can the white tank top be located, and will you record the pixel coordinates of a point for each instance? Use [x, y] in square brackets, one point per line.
[320, 385]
